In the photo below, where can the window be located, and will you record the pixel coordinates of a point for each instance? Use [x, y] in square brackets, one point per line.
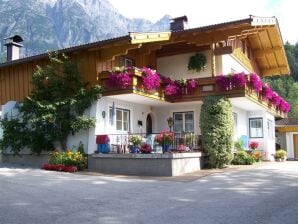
[271, 133]
[184, 121]
[122, 119]
[126, 62]
[256, 127]
[235, 118]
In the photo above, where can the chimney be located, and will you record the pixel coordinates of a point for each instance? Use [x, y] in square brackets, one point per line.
[13, 47]
[179, 23]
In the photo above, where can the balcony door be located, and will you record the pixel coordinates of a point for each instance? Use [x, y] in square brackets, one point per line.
[149, 124]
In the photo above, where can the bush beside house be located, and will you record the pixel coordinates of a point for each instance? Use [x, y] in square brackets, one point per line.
[216, 124]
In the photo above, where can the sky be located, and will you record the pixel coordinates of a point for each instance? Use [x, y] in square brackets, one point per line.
[208, 12]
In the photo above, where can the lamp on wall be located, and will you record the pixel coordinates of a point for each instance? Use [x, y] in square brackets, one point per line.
[170, 122]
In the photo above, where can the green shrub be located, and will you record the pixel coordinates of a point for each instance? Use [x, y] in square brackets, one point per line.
[216, 122]
[280, 154]
[69, 158]
[238, 145]
[242, 158]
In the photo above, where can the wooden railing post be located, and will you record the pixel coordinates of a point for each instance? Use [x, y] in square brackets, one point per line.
[213, 66]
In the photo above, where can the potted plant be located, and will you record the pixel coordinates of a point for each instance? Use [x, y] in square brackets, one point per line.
[253, 145]
[165, 139]
[135, 140]
[146, 148]
[280, 155]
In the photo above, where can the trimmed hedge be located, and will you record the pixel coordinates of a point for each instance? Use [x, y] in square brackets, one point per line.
[216, 123]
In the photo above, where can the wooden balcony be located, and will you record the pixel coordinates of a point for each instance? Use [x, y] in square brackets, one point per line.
[134, 88]
[206, 87]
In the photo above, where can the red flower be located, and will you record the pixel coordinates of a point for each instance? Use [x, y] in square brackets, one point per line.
[253, 145]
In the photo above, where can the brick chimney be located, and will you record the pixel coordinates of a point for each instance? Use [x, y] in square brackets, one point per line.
[179, 23]
[13, 47]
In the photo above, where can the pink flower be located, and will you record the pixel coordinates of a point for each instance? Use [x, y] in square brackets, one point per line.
[267, 92]
[238, 80]
[121, 80]
[253, 145]
[172, 89]
[275, 99]
[191, 85]
[151, 80]
[223, 82]
[255, 82]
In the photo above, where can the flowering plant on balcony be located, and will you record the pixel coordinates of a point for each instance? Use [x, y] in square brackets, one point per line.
[191, 85]
[266, 92]
[284, 106]
[275, 100]
[119, 77]
[238, 80]
[253, 145]
[255, 82]
[165, 137]
[146, 148]
[151, 80]
[224, 82]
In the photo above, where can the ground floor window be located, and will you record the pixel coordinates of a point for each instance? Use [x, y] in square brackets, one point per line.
[270, 127]
[122, 118]
[256, 127]
[184, 121]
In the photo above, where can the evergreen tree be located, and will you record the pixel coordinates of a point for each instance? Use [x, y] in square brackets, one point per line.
[53, 110]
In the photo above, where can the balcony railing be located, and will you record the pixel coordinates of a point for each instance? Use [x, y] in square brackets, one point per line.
[119, 143]
[206, 87]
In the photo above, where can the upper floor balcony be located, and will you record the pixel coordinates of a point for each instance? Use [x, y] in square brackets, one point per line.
[246, 90]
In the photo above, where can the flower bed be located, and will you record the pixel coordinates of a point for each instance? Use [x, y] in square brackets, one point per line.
[60, 167]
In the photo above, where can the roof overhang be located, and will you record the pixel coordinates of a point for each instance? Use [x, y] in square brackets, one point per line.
[138, 38]
[263, 35]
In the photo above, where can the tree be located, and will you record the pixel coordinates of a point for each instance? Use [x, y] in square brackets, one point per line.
[216, 123]
[54, 109]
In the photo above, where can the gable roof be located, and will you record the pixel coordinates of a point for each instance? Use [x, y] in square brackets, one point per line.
[263, 35]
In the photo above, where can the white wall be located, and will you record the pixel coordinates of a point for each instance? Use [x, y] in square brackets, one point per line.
[266, 143]
[229, 64]
[288, 137]
[175, 66]
[242, 123]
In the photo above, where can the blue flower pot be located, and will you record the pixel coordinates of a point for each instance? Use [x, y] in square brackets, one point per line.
[135, 149]
[166, 148]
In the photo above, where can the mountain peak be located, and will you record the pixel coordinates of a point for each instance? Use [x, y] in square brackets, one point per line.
[53, 24]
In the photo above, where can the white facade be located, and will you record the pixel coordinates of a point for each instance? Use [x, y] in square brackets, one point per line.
[139, 108]
[285, 140]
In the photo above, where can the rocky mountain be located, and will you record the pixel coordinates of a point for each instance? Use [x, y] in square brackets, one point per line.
[53, 24]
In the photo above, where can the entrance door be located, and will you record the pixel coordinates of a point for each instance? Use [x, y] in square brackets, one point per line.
[149, 124]
[295, 139]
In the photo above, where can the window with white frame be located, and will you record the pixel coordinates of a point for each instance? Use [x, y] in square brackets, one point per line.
[122, 117]
[270, 128]
[126, 62]
[184, 121]
[256, 127]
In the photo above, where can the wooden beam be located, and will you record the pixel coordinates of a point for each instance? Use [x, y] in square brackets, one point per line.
[214, 36]
[274, 71]
[137, 38]
[263, 52]
[148, 48]
[111, 53]
[213, 68]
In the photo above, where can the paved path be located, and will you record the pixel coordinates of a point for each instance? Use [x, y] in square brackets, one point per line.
[264, 195]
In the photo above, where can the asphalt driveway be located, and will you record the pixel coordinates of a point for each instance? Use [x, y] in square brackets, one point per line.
[265, 194]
